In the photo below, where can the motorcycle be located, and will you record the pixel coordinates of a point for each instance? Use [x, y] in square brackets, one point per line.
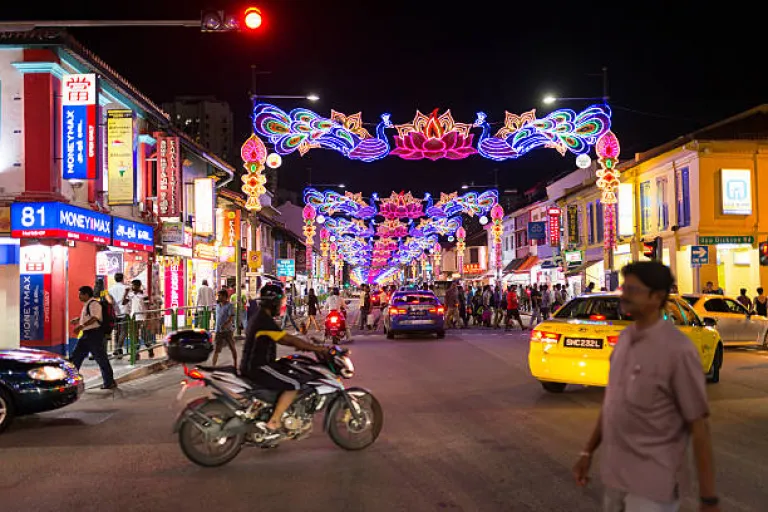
[212, 430]
[335, 326]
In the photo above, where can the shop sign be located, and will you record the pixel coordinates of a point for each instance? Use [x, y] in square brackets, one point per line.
[254, 260]
[204, 221]
[553, 216]
[35, 294]
[573, 257]
[537, 231]
[59, 220]
[736, 191]
[573, 224]
[108, 263]
[173, 233]
[132, 235]
[174, 284]
[168, 176]
[231, 228]
[473, 268]
[78, 114]
[286, 268]
[5, 220]
[716, 240]
[626, 209]
[121, 157]
[205, 252]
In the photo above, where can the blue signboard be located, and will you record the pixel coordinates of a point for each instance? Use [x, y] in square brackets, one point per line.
[32, 307]
[699, 255]
[286, 268]
[537, 231]
[59, 220]
[132, 235]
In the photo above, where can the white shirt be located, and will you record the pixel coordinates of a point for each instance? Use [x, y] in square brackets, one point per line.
[334, 302]
[92, 308]
[117, 291]
[205, 296]
[137, 305]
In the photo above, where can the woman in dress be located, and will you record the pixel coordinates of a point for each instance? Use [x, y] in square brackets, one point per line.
[312, 310]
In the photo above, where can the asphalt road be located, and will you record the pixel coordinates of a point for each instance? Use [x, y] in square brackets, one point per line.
[466, 429]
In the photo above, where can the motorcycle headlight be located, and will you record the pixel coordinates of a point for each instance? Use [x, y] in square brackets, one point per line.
[349, 369]
[47, 373]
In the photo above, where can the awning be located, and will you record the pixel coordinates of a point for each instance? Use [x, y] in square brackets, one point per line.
[527, 265]
[512, 265]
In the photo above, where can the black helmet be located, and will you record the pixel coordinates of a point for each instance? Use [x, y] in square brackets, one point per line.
[271, 296]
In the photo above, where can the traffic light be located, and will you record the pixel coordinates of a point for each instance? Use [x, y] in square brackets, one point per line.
[763, 254]
[221, 21]
[652, 249]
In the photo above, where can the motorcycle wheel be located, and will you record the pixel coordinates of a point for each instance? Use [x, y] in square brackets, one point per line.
[211, 453]
[351, 434]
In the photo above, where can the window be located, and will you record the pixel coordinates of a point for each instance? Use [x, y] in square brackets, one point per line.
[734, 307]
[599, 220]
[716, 306]
[672, 313]
[645, 206]
[474, 257]
[597, 308]
[683, 197]
[689, 314]
[590, 224]
[661, 203]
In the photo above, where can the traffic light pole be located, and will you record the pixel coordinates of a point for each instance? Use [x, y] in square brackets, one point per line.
[26, 26]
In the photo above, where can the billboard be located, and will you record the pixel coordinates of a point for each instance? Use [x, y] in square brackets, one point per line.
[168, 176]
[204, 219]
[121, 157]
[59, 220]
[737, 191]
[78, 114]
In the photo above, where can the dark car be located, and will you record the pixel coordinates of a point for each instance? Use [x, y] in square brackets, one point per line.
[35, 381]
[416, 311]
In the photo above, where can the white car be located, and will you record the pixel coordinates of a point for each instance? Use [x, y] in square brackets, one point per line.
[736, 325]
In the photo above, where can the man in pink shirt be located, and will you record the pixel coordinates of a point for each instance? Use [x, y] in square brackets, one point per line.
[655, 403]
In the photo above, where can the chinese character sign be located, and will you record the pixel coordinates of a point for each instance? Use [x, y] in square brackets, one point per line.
[553, 214]
[78, 114]
[174, 284]
[168, 176]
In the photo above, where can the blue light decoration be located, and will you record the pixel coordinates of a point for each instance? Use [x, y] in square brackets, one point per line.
[356, 227]
[470, 203]
[433, 137]
[563, 130]
[331, 202]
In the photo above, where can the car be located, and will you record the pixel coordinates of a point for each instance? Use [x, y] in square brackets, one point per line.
[595, 321]
[737, 325]
[414, 311]
[33, 381]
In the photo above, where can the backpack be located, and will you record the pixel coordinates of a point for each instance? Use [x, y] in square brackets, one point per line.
[108, 316]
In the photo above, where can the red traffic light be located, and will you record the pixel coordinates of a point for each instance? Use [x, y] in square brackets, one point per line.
[252, 19]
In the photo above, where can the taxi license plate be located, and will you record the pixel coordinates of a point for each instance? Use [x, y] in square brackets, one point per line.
[583, 343]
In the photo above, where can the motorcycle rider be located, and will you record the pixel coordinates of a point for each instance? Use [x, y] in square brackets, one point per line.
[335, 303]
[259, 360]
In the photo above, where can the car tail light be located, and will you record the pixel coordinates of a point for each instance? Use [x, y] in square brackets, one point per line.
[397, 311]
[545, 337]
[193, 373]
[440, 310]
[612, 340]
[597, 317]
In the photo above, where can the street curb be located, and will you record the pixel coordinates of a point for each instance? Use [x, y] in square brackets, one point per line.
[135, 374]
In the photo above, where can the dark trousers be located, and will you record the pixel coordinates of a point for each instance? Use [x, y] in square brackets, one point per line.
[93, 342]
[364, 317]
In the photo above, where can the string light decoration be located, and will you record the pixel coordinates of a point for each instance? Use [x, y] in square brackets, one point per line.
[430, 136]
[392, 228]
[309, 214]
[437, 259]
[401, 206]
[608, 149]
[331, 202]
[325, 247]
[497, 230]
[254, 154]
[433, 137]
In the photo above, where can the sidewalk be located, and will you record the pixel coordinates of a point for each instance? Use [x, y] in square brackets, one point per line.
[123, 369]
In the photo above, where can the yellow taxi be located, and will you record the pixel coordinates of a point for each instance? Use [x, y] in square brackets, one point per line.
[575, 345]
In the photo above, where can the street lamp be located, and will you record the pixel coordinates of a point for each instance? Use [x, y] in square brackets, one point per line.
[338, 185]
[310, 97]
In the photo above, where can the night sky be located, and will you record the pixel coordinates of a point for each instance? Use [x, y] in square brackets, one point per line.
[670, 72]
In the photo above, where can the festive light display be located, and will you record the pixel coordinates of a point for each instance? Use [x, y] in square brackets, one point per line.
[608, 150]
[437, 257]
[433, 137]
[497, 230]
[401, 206]
[392, 228]
[309, 214]
[430, 136]
[461, 246]
[254, 153]
[331, 202]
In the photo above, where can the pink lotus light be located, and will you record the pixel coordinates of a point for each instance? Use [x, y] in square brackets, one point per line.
[309, 213]
[401, 206]
[325, 234]
[433, 137]
[608, 146]
[497, 212]
[461, 233]
[253, 150]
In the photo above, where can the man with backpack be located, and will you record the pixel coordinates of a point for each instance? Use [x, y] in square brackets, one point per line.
[90, 328]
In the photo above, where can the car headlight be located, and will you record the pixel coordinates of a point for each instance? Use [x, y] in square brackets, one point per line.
[47, 373]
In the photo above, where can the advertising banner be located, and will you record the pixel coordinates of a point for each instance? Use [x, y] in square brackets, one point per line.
[286, 268]
[168, 176]
[553, 216]
[121, 157]
[231, 228]
[173, 233]
[78, 114]
[204, 219]
[174, 284]
[132, 235]
[35, 295]
[626, 209]
[59, 220]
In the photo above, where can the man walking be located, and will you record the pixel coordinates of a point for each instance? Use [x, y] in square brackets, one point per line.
[92, 339]
[225, 326]
[451, 301]
[119, 293]
[654, 404]
[205, 299]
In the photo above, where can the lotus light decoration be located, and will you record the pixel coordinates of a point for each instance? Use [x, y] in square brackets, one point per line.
[434, 138]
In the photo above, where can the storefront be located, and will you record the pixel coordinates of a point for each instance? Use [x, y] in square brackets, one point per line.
[57, 255]
[733, 262]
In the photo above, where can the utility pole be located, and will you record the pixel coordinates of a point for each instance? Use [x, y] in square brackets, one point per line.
[254, 73]
[605, 84]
